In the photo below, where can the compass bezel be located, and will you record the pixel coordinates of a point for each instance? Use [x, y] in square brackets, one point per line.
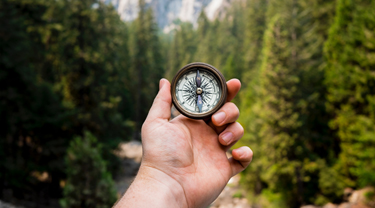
[219, 77]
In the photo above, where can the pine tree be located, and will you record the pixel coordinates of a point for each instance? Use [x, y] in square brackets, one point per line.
[254, 32]
[287, 122]
[230, 46]
[203, 25]
[63, 70]
[92, 68]
[280, 116]
[147, 64]
[182, 48]
[207, 48]
[253, 45]
[350, 81]
[31, 112]
[88, 183]
[219, 42]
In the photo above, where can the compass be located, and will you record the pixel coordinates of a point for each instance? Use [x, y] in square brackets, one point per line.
[198, 90]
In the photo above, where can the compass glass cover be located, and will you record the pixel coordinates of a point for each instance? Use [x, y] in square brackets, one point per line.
[198, 98]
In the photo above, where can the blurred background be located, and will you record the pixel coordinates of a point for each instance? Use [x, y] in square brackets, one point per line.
[77, 78]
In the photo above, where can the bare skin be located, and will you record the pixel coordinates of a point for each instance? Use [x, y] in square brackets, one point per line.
[184, 160]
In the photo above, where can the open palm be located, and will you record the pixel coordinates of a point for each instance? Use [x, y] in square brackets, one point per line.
[193, 152]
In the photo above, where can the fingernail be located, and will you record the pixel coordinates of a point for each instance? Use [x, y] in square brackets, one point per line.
[227, 137]
[161, 83]
[219, 117]
[240, 152]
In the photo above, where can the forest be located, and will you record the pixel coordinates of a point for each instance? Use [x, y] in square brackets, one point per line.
[75, 81]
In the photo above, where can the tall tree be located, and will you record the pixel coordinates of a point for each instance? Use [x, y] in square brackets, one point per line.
[254, 31]
[91, 68]
[219, 41]
[32, 113]
[63, 70]
[351, 89]
[287, 122]
[147, 64]
[88, 184]
[182, 48]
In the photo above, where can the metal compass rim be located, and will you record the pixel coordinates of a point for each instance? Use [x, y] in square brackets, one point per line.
[222, 82]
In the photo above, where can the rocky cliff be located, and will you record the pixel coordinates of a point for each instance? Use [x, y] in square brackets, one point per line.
[167, 11]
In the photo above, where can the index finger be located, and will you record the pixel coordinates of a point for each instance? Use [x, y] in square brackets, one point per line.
[233, 85]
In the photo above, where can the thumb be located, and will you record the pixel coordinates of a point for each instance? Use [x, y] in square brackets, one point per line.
[161, 108]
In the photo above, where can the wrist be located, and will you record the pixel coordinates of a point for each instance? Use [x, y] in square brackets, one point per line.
[153, 188]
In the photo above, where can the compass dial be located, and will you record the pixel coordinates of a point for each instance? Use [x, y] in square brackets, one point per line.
[198, 90]
[187, 91]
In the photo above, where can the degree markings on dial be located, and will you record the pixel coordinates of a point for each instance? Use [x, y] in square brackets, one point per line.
[186, 86]
[210, 93]
[192, 83]
[204, 85]
[189, 98]
[192, 101]
[206, 90]
[209, 97]
[187, 95]
[183, 90]
[204, 100]
[189, 85]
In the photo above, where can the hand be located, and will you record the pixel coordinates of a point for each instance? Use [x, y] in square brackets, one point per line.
[184, 160]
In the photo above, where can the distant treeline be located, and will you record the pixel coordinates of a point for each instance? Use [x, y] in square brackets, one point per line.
[308, 100]
[68, 67]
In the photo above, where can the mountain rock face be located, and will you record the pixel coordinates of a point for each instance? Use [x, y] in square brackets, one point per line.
[168, 11]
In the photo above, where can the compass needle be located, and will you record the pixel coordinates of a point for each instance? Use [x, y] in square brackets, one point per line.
[198, 79]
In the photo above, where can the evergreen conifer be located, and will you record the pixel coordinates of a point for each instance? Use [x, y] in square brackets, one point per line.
[88, 183]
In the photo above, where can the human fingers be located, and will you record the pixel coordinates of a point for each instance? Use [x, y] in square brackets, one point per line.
[227, 114]
[161, 107]
[233, 85]
[241, 158]
[231, 135]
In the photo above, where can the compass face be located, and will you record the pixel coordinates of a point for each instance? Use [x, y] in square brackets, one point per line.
[187, 91]
[198, 90]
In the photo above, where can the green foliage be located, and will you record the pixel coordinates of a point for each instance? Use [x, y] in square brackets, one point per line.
[255, 27]
[332, 184]
[238, 194]
[350, 80]
[90, 63]
[287, 126]
[182, 48]
[147, 64]
[276, 49]
[219, 42]
[31, 112]
[88, 183]
[64, 69]
[272, 199]
[370, 195]
[307, 104]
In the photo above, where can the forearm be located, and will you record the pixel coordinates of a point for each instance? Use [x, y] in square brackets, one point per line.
[153, 188]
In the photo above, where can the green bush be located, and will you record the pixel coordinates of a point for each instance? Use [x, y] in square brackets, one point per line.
[88, 183]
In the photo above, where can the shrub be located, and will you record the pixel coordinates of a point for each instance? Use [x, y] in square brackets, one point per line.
[88, 183]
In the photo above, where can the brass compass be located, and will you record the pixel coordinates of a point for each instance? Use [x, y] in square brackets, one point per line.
[198, 90]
